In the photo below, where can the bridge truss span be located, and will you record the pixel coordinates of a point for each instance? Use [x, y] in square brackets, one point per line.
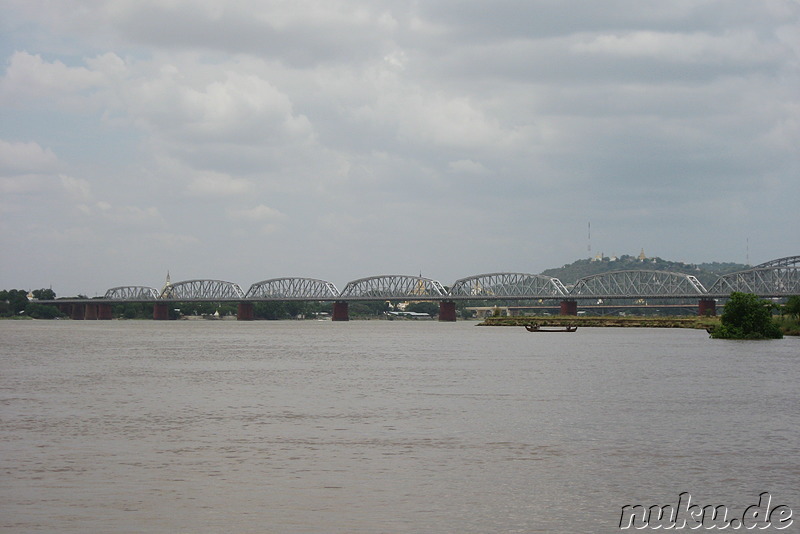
[132, 293]
[509, 285]
[393, 287]
[293, 288]
[782, 280]
[638, 284]
[789, 261]
[209, 290]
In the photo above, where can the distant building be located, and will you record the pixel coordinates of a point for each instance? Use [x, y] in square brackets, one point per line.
[167, 289]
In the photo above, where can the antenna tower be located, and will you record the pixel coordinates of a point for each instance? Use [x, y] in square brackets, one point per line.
[748, 252]
[589, 246]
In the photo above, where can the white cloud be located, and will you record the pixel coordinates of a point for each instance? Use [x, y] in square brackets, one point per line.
[135, 216]
[76, 188]
[424, 117]
[29, 77]
[257, 213]
[209, 183]
[21, 184]
[466, 166]
[182, 105]
[18, 157]
[741, 46]
[171, 241]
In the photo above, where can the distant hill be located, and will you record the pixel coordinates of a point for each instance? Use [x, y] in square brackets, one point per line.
[707, 273]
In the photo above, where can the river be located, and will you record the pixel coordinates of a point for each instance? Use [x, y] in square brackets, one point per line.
[383, 426]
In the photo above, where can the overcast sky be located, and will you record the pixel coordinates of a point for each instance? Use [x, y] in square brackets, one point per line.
[243, 140]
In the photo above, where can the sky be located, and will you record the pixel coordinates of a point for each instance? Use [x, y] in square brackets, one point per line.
[244, 140]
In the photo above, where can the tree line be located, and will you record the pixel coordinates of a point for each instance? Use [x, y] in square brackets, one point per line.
[15, 303]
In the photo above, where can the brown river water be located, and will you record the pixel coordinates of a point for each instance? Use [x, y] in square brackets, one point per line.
[383, 426]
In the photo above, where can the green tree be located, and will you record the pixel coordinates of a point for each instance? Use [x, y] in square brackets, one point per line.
[295, 308]
[270, 310]
[226, 309]
[374, 308]
[44, 294]
[747, 317]
[41, 311]
[132, 310]
[792, 307]
[14, 301]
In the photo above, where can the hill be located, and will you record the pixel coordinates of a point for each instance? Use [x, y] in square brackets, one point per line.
[707, 273]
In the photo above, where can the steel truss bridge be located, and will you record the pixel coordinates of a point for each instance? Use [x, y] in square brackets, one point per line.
[774, 279]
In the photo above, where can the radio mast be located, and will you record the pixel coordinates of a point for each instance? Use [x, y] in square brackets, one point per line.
[589, 246]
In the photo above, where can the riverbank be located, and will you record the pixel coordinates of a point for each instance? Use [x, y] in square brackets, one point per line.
[625, 322]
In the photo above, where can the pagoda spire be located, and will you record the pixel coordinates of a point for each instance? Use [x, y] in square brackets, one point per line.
[167, 285]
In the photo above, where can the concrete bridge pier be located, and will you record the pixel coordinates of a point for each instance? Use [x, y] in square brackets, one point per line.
[78, 312]
[707, 307]
[105, 312]
[341, 311]
[161, 311]
[97, 310]
[569, 307]
[91, 312]
[245, 311]
[447, 311]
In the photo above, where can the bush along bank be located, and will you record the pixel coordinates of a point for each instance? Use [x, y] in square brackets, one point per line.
[747, 317]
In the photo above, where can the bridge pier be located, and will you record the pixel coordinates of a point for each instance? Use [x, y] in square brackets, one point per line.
[569, 307]
[91, 312]
[707, 307]
[447, 311]
[341, 311]
[78, 312]
[161, 311]
[245, 311]
[105, 312]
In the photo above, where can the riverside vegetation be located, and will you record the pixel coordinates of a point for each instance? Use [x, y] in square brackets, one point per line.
[745, 316]
[748, 317]
[705, 323]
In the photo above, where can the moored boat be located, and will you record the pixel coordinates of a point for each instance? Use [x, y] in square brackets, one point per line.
[540, 328]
